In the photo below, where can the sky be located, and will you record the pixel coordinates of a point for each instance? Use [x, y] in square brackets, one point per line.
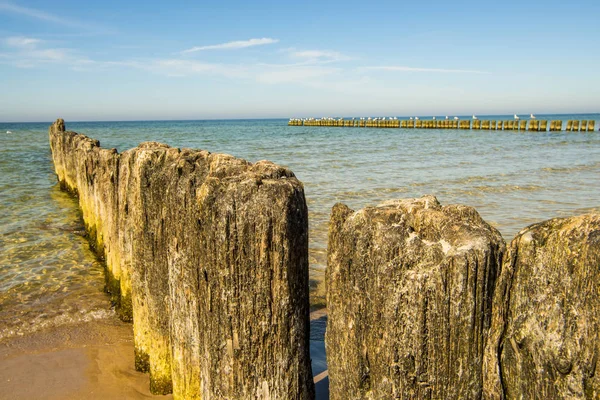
[157, 60]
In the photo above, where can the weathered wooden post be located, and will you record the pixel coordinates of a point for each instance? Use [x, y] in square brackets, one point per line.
[409, 297]
[544, 340]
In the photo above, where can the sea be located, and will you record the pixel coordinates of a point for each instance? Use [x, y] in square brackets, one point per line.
[49, 277]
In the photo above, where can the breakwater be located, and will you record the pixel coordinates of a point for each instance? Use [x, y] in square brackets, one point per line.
[512, 125]
[208, 255]
[427, 302]
[417, 358]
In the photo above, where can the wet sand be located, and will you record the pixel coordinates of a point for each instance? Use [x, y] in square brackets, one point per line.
[318, 323]
[94, 360]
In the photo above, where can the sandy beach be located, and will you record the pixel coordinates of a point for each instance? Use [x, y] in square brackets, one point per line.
[93, 360]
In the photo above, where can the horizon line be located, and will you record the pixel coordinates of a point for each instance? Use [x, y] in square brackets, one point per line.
[285, 118]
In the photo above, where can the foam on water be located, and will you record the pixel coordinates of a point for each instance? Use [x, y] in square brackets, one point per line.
[48, 276]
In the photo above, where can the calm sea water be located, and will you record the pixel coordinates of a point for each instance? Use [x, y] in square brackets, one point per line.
[49, 277]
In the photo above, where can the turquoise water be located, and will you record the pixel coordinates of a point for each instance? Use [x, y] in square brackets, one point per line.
[49, 277]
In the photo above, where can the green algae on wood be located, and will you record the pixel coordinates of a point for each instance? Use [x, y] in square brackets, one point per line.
[210, 256]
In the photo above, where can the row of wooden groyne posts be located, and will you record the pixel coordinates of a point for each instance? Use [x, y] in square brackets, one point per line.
[513, 125]
[207, 254]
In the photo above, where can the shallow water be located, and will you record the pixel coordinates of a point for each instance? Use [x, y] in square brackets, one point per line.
[49, 277]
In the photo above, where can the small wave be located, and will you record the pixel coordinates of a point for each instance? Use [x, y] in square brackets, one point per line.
[574, 168]
[508, 188]
[461, 181]
[352, 194]
[8, 132]
[41, 322]
[477, 178]
[585, 210]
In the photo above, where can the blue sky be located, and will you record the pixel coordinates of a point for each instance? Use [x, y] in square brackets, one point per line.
[261, 59]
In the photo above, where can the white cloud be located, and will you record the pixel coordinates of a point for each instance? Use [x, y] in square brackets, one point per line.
[30, 52]
[181, 68]
[262, 73]
[299, 74]
[418, 69]
[238, 44]
[318, 56]
[27, 52]
[40, 15]
[50, 54]
[20, 41]
[177, 67]
[30, 12]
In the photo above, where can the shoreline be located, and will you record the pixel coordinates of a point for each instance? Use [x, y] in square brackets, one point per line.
[94, 360]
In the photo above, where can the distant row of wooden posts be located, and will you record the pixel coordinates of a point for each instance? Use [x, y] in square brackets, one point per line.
[516, 125]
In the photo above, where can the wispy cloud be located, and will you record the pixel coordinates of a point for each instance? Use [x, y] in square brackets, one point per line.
[29, 12]
[262, 73]
[187, 67]
[8, 7]
[31, 52]
[418, 69]
[50, 54]
[238, 44]
[27, 52]
[21, 41]
[181, 68]
[317, 56]
[298, 74]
